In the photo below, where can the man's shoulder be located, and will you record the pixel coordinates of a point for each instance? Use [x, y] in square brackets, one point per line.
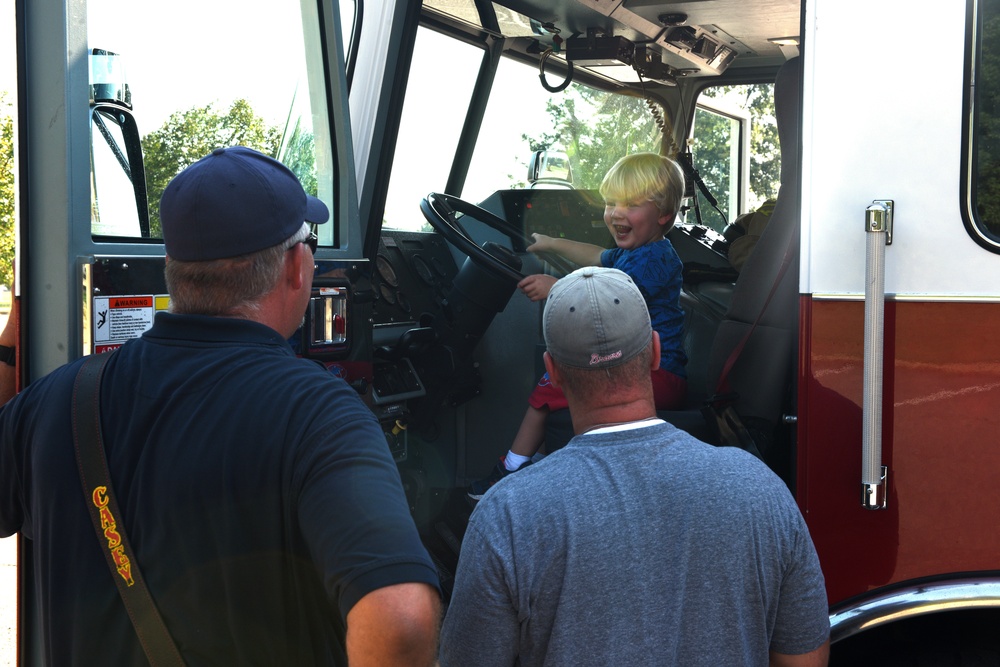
[734, 464]
[59, 380]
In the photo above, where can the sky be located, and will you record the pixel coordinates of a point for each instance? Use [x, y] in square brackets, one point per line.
[8, 71]
[184, 63]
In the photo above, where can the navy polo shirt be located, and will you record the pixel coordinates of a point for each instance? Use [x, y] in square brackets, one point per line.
[257, 491]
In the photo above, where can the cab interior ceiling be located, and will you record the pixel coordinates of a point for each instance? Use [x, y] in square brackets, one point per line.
[689, 37]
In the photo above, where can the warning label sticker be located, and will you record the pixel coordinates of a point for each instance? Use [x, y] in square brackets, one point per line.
[120, 318]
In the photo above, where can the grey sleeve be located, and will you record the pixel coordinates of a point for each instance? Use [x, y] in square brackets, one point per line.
[803, 621]
[481, 625]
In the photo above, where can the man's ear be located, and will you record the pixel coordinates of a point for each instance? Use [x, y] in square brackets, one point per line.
[550, 367]
[654, 362]
[294, 258]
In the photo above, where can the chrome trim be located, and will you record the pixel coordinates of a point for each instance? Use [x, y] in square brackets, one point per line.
[878, 228]
[930, 298]
[900, 604]
[875, 496]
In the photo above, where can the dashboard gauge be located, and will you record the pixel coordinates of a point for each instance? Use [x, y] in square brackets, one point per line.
[385, 270]
[424, 271]
[388, 293]
[403, 302]
[439, 266]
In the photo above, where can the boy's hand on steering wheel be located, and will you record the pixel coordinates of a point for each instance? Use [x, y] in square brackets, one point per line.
[536, 287]
[542, 243]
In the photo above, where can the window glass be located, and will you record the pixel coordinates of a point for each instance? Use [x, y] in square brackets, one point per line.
[718, 145]
[195, 85]
[984, 180]
[348, 17]
[582, 130]
[460, 9]
[442, 77]
[8, 157]
[113, 209]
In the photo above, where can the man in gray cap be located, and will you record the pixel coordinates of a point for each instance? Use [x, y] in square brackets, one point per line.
[635, 544]
[263, 507]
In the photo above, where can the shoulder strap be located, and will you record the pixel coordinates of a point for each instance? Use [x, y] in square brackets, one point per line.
[106, 516]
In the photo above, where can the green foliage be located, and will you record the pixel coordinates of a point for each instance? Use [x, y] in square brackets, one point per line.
[765, 153]
[299, 155]
[711, 157]
[187, 136]
[6, 190]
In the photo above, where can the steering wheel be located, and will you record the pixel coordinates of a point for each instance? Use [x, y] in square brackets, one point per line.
[441, 209]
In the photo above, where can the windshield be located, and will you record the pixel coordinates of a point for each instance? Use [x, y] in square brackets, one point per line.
[582, 130]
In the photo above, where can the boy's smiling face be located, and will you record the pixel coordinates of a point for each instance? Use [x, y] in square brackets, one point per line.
[634, 224]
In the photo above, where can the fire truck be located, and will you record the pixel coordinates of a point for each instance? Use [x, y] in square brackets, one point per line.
[854, 339]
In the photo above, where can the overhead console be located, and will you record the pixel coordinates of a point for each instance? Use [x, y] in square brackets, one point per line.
[685, 50]
[676, 47]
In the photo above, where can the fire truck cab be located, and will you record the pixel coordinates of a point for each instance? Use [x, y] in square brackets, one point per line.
[442, 134]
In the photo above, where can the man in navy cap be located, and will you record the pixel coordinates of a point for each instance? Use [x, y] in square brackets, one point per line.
[635, 544]
[262, 505]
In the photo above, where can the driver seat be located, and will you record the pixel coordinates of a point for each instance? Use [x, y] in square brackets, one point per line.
[763, 371]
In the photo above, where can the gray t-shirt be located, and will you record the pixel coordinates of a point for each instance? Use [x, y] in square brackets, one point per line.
[640, 547]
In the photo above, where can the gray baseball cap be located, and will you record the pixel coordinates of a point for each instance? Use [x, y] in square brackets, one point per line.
[595, 318]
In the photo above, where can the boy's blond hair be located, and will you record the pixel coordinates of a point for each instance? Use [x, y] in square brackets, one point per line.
[645, 177]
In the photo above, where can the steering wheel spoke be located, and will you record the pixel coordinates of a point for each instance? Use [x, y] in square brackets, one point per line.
[442, 212]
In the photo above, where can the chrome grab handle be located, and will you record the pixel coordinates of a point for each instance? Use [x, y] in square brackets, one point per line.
[878, 225]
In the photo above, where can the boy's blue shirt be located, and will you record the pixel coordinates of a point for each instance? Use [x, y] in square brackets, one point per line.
[658, 272]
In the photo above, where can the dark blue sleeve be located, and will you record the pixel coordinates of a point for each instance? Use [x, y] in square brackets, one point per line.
[352, 508]
[11, 463]
[610, 257]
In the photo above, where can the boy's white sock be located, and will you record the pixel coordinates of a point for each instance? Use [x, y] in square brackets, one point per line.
[514, 461]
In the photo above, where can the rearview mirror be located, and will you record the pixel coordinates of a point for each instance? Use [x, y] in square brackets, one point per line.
[551, 168]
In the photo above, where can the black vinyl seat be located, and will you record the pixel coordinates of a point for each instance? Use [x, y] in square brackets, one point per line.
[764, 370]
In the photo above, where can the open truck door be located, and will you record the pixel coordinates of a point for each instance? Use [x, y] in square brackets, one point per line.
[114, 100]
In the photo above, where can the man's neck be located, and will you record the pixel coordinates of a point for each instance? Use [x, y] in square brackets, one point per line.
[587, 418]
[627, 426]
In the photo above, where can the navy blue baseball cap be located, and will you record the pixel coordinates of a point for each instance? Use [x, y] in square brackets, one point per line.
[232, 202]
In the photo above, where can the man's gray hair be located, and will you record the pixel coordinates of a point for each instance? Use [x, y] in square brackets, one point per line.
[230, 287]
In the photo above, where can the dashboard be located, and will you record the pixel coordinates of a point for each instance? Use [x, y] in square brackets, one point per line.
[412, 274]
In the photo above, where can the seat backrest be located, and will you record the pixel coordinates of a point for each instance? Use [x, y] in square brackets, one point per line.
[764, 369]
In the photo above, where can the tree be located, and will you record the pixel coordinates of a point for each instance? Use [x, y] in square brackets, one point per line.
[6, 190]
[187, 136]
[299, 155]
[765, 153]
